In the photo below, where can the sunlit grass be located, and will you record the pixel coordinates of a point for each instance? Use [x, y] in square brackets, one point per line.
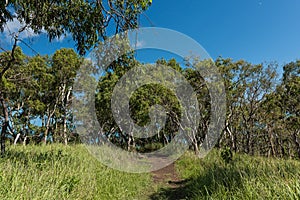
[70, 172]
[64, 172]
[245, 177]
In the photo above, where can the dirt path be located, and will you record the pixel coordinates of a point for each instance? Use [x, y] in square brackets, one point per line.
[167, 175]
[170, 183]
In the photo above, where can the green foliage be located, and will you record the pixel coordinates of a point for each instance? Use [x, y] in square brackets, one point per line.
[143, 99]
[262, 112]
[150, 147]
[86, 21]
[40, 88]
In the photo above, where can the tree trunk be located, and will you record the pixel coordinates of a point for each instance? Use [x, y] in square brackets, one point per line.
[232, 138]
[5, 124]
[166, 141]
[46, 131]
[296, 140]
[48, 121]
[25, 140]
[196, 148]
[128, 143]
[271, 141]
[65, 103]
[47, 128]
[17, 138]
[65, 131]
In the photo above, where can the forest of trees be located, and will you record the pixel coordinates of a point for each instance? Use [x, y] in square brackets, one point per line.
[263, 109]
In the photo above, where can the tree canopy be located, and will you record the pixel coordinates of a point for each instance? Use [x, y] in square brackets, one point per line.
[86, 21]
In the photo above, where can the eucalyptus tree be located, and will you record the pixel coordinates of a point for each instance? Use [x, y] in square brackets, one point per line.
[247, 87]
[281, 114]
[229, 71]
[140, 103]
[197, 81]
[22, 87]
[64, 65]
[290, 100]
[85, 21]
[273, 141]
[143, 100]
[11, 82]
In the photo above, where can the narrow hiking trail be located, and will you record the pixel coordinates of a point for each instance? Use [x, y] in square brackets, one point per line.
[166, 175]
[169, 182]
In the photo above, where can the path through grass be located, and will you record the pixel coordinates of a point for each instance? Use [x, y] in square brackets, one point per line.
[70, 172]
[245, 178]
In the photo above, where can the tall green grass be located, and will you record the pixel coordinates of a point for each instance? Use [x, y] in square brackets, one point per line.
[70, 172]
[64, 172]
[245, 177]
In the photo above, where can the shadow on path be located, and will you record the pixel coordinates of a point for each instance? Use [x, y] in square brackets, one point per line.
[202, 186]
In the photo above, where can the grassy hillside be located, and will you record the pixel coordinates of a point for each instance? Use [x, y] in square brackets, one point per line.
[245, 177]
[60, 172]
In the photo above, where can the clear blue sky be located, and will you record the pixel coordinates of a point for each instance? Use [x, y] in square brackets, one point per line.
[254, 30]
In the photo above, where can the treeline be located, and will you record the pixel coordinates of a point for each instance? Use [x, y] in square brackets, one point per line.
[262, 108]
[263, 113]
[36, 94]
